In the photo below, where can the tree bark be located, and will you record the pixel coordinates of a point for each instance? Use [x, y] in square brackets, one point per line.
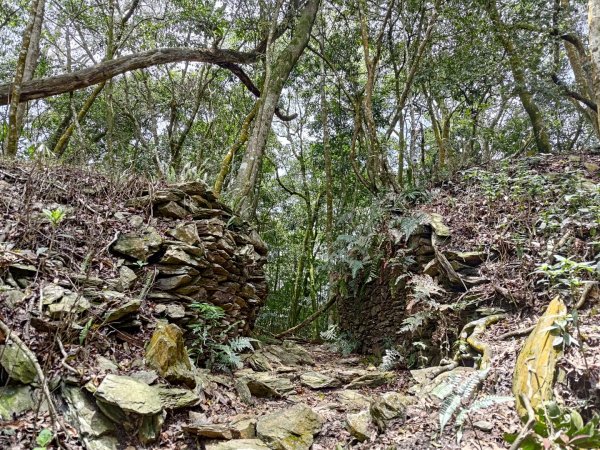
[80, 79]
[594, 43]
[14, 90]
[246, 181]
[516, 66]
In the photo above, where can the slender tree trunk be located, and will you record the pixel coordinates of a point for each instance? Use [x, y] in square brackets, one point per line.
[12, 137]
[516, 66]
[244, 188]
[594, 43]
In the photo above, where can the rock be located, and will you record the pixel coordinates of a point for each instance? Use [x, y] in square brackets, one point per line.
[177, 398]
[316, 380]
[289, 429]
[469, 258]
[483, 425]
[145, 376]
[538, 355]
[209, 430]
[262, 384]
[172, 210]
[69, 304]
[129, 395]
[126, 277]
[243, 427]
[370, 379]
[353, 400]
[359, 425]
[171, 283]
[273, 356]
[177, 256]
[388, 407]
[94, 427]
[243, 392]
[149, 430]
[15, 400]
[52, 293]
[131, 307]
[138, 246]
[175, 311]
[591, 167]
[239, 444]
[16, 363]
[106, 365]
[167, 354]
[185, 233]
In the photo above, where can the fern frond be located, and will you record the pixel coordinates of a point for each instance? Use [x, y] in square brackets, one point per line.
[85, 331]
[448, 408]
[412, 323]
[240, 344]
[482, 403]
[390, 360]
[443, 390]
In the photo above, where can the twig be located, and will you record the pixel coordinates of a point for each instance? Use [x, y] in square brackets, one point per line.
[587, 289]
[63, 361]
[526, 430]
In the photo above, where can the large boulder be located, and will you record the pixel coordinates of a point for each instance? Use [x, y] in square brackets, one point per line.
[289, 429]
[388, 407]
[138, 246]
[167, 354]
[17, 364]
[15, 400]
[359, 425]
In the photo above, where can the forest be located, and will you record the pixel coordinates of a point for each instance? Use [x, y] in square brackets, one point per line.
[296, 224]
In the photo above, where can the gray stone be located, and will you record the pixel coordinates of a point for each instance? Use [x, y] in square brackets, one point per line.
[483, 425]
[316, 380]
[243, 426]
[16, 363]
[139, 246]
[176, 255]
[263, 384]
[353, 400]
[185, 233]
[106, 365]
[145, 376]
[170, 283]
[177, 398]
[130, 395]
[69, 304]
[209, 430]
[131, 307]
[15, 400]
[172, 210]
[359, 425]
[370, 379]
[84, 415]
[52, 293]
[175, 311]
[239, 444]
[388, 407]
[289, 429]
[126, 277]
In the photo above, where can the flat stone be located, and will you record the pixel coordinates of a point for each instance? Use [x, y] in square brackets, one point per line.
[210, 430]
[185, 233]
[175, 255]
[263, 384]
[243, 426]
[52, 293]
[167, 354]
[126, 277]
[172, 210]
[15, 400]
[16, 363]
[370, 379]
[175, 311]
[292, 428]
[145, 376]
[131, 307]
[84, 415]
[171, 283]
[130, 395]
[359, 425]
[483, 425]
[138, 246]
[239, 444]
[316, 380]
[106, 365]
[469, 258]
[177, 398]
[69, 304]
[353, 400]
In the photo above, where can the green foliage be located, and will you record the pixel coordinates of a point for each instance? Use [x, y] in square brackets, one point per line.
[341, 342]
[566, 272]
[55, 216]
[560, 329]
[210, 343]
[85, 331]
[559, 427]
[43, 439]
[390, 360]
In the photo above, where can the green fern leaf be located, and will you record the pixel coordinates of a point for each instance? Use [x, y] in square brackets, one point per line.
[448, 408]
[482, 403]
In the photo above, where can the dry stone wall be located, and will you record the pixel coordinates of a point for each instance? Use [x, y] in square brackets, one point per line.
[197, 251]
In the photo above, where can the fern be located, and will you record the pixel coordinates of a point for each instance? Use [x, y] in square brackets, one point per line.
[240, 343]
[448, 408]
[482, 403]
[412, 323]
[408, 225]
[390, 360]
[85, 331]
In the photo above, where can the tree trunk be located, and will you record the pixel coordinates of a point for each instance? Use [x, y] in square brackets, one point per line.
[246, 181]
[516, 66]
[594, 43]
[14, 89]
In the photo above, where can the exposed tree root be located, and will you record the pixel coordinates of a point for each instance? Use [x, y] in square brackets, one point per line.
[516, 333]
[471, 333]
[587, 290]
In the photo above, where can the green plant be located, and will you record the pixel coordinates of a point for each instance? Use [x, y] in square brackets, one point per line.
[55, 216]
[211, 343]
[558, 427]
[43, 439]
[342, 342]
[456, 393]
[560, 329]
[390, 360]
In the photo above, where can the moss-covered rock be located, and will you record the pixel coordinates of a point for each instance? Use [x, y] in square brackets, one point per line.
[289, 429]
[16, 363]
[167, 354]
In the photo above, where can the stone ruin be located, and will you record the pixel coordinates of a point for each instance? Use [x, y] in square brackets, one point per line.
[372, 314]
[197, 251]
